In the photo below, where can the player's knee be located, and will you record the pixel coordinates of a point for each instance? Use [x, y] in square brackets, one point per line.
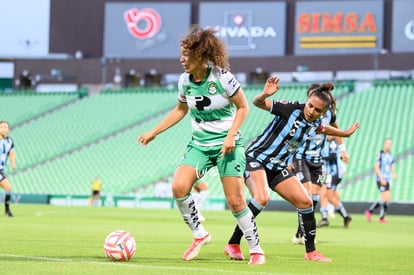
[179, 190]
[236, 204]
[6, 185]
[304, 203]
[262, 199]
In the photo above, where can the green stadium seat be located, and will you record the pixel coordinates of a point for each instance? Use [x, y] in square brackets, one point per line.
[60, 152]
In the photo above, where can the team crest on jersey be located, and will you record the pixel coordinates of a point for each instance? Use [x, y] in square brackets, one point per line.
[293, 146]
[212, 89]
[187, 91]
[254, 164]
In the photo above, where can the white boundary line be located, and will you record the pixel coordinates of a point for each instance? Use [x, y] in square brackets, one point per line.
[39, 258]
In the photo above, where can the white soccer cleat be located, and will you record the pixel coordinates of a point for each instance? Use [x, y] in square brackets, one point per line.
[300, 240]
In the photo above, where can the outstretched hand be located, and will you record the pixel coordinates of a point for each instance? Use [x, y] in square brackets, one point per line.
[352, 129]
[146, 138]
[271, 86]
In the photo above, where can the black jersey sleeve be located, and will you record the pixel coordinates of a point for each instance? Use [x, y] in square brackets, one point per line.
[284, 108]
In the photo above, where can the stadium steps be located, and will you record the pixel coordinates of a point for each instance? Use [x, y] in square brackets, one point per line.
[22, 107]
[86, 121]
[118, 160]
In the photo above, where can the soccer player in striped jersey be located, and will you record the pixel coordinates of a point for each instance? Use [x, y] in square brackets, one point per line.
[218, 107]
[268, 155]
[385, 173]
[307, 162]
[6, 152]
[334, 170]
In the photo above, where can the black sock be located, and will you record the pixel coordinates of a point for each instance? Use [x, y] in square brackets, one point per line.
[342, 211]
[299, 232]
[308, 224]
[238, 234]
[383, 211]
[374, 206]
[7, 202]
[386, 204]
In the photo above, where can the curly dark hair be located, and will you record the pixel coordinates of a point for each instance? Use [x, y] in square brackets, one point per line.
[205, 45]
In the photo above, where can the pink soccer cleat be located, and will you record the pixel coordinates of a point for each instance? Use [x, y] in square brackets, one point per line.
[234, 251]
[383, 220]
[194, 249]
[316, 256]
[368, 215]
[257, 258]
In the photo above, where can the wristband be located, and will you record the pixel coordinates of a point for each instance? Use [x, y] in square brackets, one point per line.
[342, 147]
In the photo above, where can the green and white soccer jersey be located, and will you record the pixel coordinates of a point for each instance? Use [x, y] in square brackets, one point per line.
[212, 112]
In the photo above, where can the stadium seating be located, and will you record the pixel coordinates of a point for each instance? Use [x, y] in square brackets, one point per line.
[384, 111]
[62, 151]
[21, 106]
[86, 121]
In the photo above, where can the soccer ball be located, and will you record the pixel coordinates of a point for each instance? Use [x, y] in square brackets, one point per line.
[119, 246]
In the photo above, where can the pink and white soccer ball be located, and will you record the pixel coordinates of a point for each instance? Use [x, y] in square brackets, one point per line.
[119, 246]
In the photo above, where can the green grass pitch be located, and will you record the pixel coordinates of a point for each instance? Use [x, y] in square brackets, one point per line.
[44, 239]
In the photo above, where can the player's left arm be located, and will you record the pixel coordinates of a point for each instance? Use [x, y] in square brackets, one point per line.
[332, 131]
[394, 174]
[12, 158]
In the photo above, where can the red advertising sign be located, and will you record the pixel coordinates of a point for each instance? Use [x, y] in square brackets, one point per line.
[338, 27]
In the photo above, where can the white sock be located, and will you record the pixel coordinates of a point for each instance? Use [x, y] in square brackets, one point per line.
[189, 212]
[201, 198]
[247, 224]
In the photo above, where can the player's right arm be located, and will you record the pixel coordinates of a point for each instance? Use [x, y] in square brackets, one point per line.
[340, 141]
[170, 120]
[270, 88]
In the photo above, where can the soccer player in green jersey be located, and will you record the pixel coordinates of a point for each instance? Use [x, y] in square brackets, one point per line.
[218, 107]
